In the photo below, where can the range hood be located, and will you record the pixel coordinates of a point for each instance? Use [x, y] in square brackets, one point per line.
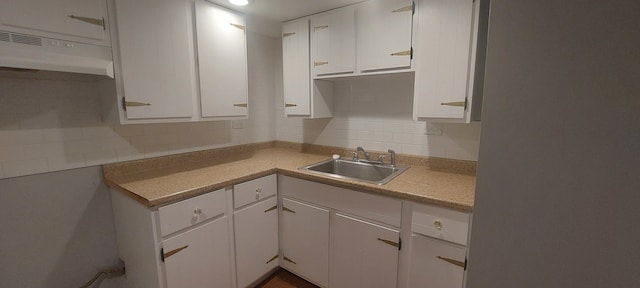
[38, 53]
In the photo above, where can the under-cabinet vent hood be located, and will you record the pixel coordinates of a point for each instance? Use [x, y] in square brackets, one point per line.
[39, 53]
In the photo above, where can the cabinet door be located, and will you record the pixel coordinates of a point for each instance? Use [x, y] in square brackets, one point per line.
[363, 254]
[333, 42]
[305, 241]
[202, 257]
[256, 234]
[295, 67]
[444, 48]
[222, 61]
[429, 266]
[77, 19]
[384, 34]
[156, 58]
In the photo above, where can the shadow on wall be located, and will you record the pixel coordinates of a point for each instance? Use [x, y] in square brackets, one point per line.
[57, 229]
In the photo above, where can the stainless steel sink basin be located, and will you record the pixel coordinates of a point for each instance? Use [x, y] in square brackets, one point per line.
[365, 172]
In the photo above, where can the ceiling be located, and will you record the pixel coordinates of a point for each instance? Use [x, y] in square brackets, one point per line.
[283, 10]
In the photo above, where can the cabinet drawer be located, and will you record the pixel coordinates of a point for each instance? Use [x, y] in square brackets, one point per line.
[185, 213]
[441, 223]
[254, 190]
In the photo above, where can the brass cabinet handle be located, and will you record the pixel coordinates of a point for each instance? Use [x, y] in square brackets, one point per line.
[404, 9]
[271, 209]
[287, 34]
[243, 105]
[455, 104]
[237, 26]
[454, 262]
[319, 63]
[289, 260]
[403, 53]
[394, 244]
[288, 210]
[172, 252]
[94, 21]
[135, 104]
[290, 105]
[272, 258]
[320, 27]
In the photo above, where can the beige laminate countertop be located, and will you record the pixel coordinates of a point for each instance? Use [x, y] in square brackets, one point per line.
[155, 185]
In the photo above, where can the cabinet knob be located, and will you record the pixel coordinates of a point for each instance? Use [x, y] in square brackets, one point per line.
[258, 191]
[438, 225]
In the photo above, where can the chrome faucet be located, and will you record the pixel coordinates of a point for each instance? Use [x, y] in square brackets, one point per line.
[366, 155]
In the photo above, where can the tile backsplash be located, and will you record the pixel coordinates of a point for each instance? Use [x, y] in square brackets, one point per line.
[375, 112]
[49, 125]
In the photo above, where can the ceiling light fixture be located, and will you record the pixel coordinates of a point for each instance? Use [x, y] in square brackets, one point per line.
[239, 2]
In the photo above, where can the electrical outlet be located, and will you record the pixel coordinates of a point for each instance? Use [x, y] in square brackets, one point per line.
[433, 129]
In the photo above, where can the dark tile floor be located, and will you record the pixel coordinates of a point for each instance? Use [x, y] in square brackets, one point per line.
[284, 279]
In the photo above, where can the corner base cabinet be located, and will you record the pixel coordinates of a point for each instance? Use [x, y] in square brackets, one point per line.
[185, 244]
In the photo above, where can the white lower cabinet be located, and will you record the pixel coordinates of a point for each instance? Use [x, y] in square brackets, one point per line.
[439, 237]
[305, 241]
[201, 258]
[335, 237]
[256, 235]
[363, 254]
[184, 244]
[330, 236]
[255, 222]
[436, 263]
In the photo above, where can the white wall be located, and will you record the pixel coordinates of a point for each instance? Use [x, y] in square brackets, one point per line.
[55, 123]
[56, 230]
[375, 112]
[558, 187]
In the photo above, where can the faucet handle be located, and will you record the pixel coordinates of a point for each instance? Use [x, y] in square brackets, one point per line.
[381, 159]
[355, 155]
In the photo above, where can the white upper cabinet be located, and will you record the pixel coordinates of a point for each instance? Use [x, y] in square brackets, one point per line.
[222, 61]
[157, 61]
[295, 62]
[303, 97]
[333, 42]
[446, 44]
[74, 20]
[384, 34]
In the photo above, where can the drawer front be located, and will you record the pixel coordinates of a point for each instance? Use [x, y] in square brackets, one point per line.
[254, 190]
[185, 213]
[378, 208]
[441, 223]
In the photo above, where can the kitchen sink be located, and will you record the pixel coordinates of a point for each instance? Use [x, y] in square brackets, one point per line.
[378, 174]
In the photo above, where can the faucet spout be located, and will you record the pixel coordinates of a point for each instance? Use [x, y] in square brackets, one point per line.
[366, 155]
